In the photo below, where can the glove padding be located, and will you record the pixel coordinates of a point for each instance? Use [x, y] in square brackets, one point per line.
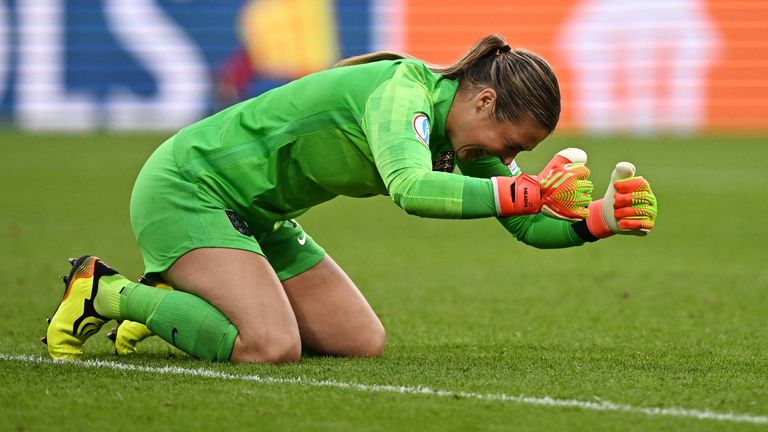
[561, 190]
[565, 188]
[628, 207]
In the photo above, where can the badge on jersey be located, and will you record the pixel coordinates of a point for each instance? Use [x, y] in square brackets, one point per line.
[421, 127]
[444, 162]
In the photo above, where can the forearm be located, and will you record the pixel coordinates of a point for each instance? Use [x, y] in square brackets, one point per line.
[542, 232]
[442, 195]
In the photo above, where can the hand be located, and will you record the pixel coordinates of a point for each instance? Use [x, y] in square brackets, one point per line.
[561, 190]
[628, 207]
[566, 190]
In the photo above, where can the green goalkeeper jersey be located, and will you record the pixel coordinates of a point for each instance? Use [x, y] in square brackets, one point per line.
[371, 129]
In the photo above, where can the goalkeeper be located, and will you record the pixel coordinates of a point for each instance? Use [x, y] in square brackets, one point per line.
[213, 207]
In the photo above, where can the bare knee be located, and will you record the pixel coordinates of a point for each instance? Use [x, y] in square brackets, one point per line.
[376, 344]
[271, 348]
[369, 343]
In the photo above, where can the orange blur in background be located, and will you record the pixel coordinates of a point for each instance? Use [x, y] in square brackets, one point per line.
[646, 66]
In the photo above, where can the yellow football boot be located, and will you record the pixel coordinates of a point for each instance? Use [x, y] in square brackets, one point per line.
[76, 319]
[127, 335]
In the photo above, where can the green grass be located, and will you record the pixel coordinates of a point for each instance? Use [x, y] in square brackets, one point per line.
[677, 319]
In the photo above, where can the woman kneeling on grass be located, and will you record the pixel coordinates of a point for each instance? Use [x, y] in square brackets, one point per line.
[213, 207]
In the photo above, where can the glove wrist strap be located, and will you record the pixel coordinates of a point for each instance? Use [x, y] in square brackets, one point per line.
[596, 221]
[520, 195]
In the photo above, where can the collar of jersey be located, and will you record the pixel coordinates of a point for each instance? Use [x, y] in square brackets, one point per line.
[443, 94]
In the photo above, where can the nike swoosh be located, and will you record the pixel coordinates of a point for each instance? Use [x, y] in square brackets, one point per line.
[302, 239]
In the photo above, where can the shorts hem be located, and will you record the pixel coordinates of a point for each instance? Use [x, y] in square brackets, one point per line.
[162, 265]
[299, 268]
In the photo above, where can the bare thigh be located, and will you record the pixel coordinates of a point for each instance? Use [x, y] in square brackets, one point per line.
[333, 316]
[244, 287]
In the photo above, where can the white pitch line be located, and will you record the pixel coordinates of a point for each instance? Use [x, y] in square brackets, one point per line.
[601, 405]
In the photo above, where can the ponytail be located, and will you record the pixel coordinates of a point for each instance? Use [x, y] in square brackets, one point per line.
[372, 57]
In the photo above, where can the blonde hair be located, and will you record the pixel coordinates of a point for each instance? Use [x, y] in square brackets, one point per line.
[524, 83]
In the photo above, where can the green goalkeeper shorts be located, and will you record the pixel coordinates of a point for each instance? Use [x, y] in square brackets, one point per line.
[171, 216]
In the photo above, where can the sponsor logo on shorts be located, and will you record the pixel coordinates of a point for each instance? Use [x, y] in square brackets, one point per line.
[421, 127]
[238, 223]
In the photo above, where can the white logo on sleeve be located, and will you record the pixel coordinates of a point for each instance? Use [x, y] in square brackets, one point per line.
[421, 127]
[302, 239]
[513, 168]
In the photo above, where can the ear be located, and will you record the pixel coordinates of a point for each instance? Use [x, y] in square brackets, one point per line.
[485, 99]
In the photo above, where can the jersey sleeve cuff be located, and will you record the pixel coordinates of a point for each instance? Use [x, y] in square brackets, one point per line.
[582, 231]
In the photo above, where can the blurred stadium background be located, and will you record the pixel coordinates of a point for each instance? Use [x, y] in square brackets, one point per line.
[640, 67]
[88, 88]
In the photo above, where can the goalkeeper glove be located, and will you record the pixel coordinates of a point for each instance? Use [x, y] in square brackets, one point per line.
[628, 207]
[563, 198]
[561, 190]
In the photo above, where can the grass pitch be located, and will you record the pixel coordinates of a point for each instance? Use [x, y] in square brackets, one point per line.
[672, 327]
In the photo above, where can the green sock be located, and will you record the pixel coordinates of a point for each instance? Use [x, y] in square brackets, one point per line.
[181, 319]
[107, 301]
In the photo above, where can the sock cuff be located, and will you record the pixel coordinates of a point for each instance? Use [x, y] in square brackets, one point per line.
[107, 300]
[227, 343]
[138, 302]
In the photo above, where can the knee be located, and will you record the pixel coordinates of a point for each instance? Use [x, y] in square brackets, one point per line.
[273, 349]
[371, 343]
